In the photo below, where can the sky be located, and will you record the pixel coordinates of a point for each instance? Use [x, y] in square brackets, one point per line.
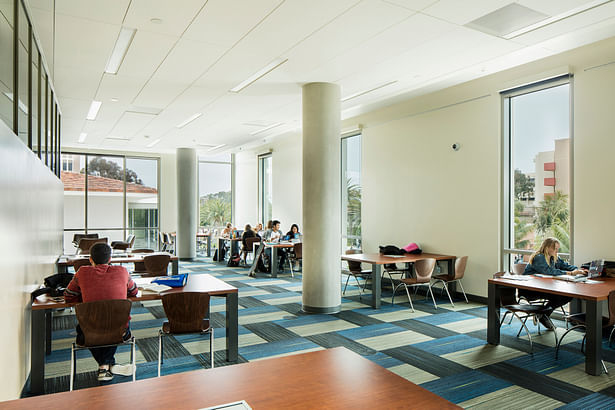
[538, 119]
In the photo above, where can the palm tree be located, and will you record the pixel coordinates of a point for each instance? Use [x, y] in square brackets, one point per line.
[553, 219]
[353, 208]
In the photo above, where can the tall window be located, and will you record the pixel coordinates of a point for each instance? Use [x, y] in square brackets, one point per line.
[215, 207]
[265, 182]
[537, 168]
[6, 62]
[351, 192]
[110, 195]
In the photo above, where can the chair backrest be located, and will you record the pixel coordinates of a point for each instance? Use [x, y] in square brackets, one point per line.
[611, 321]
[424, 269]
[518, 268]
[508, 296]
[354, 266]
[186, 311]
[460, 267]
[79, 236]
[251, 241]
[143, 250]
[157, 264]
[103, 322]
[77, 263]
[298, 250]
[86, 243]
[130, 239]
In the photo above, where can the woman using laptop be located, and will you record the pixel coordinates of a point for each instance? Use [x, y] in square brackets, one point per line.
[546, 262]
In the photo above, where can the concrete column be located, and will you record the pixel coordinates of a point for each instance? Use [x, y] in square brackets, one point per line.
[187, 218]
[321, 198]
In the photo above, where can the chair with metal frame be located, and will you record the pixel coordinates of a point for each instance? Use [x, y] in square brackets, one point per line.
[86, 243]
[460, 268]
[355, 270]
[123, 245]
[186, 312]
[423, 269]
[249, 247]
[103, 324]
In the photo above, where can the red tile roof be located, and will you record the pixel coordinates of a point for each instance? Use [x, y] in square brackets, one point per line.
[74, 181]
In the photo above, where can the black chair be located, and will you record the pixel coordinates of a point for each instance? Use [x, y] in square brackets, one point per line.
[79, 236]
[187, 313]
[123, 245]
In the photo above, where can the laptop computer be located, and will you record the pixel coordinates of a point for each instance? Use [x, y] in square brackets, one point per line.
[595, 268]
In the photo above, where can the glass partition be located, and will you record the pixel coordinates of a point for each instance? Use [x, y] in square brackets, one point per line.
[6, 62]
[214, 195]
[351, 192]
[142, 201]
[265, 183]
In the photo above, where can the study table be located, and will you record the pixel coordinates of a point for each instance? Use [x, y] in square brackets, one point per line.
[377, 260]
[325, 379]
[65, 261]
[208, 237]
[234, 246]
[593, 294]
[43, 305]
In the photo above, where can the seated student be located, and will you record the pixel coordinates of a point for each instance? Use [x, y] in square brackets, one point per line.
[247, 233]
[268, 230]
[226, 232]
[102, 281]
[274, 236]
[259, 229]
[294, 233]
[546, 262]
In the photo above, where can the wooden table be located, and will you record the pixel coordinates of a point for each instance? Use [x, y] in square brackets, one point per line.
[593, 294]
[274, 254]
[65, 261]
[326, 379]
[234, 246]
[376, 260]
[41, 321]
[208, 236]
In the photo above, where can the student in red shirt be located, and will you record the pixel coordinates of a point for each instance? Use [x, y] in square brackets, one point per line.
[102, 281]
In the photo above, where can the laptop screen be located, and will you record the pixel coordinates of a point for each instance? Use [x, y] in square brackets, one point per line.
[595, 268]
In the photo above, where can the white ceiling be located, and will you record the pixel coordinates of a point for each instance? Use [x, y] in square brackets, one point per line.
[187, 63]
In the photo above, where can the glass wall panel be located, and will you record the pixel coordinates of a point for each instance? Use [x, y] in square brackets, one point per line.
[539, 170]
[351, 192]
[23, 75]
[142, 201]
[265, 184]
[6, 62]
[214, 194]
[34, 99]
[73, 178]
[105, 191]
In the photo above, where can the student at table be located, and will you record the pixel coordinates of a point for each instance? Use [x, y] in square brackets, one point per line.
[274, 235]
[248, 232]
[259, 229]
[226, 233]
[294, 233]
[102, 281]
[546, 262]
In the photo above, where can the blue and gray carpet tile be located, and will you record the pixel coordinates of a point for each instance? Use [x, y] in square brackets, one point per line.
[443, 350]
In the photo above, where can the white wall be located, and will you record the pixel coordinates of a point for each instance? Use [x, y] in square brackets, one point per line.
[246, 189]
[31, 223]
[415, 188]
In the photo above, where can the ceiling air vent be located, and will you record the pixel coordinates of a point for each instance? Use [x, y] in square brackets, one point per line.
[506, 20]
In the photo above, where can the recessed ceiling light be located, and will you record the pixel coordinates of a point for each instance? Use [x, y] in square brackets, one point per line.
[156, 20]
[93, 111]
[124, 39]
[82, 137]
[115, 99]
[277, 124]
[259, 74]
[189, 120]
[151, 144]
[360, 93]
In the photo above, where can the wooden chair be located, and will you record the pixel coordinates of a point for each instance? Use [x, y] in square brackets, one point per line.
[86, 243]
[103, 324]
[156, 264]
[460, 268]
[296, 254]
[423, 269]
[79, 236]
[249, 247]
[77, 263]
[140, 266]
[522, 311]
[354, 270]
[187, 312]
[579, 320]
[123, 245]
[518, 268]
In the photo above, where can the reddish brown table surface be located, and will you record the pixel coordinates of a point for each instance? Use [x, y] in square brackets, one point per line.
[278, 245]
[578, 290]
[334, 378]
[379, 259]
[195, 283]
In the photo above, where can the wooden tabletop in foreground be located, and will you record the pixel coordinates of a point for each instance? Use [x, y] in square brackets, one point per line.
[379, 258]
[326, 379]
[580, 290]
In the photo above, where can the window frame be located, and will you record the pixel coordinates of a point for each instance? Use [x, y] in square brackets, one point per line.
[198, 196]
[261, 186]
[343, 192]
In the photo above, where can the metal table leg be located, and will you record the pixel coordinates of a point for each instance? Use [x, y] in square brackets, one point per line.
[220, 247]
[37, 352]
[48, 318]
[208, 246]
[593, 349]
[232, 327]
[274, 262]
[376, 289]
[175, 266]
[493, 315]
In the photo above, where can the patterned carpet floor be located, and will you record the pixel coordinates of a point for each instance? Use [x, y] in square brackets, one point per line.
[444, 350]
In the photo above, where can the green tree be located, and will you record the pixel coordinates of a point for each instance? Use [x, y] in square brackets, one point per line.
[215, 209]
[522, 227]
[108, 169]
[553, 219]
[353, 209]
[524, 186]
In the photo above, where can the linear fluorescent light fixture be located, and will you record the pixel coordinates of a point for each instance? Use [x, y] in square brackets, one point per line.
[82, 137]
[277, 124]
[360, 93]
[93, 111]
[189, 120]
[259, 74]
[119, 51]
[151, 144]
[216, 147]
[556, 18]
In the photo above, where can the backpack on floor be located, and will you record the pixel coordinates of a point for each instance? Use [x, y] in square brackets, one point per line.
[234, 260]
